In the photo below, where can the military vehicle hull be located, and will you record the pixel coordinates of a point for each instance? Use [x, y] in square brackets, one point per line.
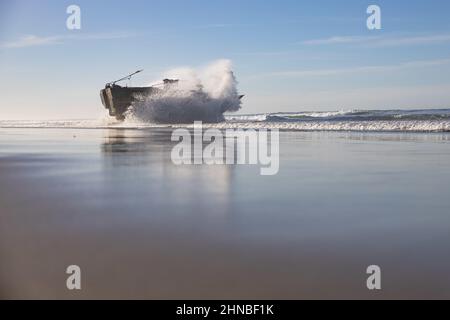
[117, 99]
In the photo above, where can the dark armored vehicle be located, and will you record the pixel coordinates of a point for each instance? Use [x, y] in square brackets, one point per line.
[118, 99]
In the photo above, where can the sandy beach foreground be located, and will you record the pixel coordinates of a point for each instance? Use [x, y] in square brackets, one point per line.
[112, 202]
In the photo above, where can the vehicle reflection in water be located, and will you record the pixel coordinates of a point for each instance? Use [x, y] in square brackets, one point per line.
[137, 164]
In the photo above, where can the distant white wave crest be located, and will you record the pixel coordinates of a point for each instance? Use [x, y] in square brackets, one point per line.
[363, 126]
[200, 94]
[424, 120]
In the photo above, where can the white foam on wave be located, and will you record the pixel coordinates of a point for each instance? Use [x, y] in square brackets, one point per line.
[372, 115]
[288, 115]
[204, 93]
[433, 121]
[246, 117]
[322, 114]
[364, 126]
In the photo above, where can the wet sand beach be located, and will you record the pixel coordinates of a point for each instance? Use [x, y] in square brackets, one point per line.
[112, 202]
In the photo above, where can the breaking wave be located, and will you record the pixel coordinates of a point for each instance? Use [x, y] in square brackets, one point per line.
[200, 94]
[424, 120]
[348, 115]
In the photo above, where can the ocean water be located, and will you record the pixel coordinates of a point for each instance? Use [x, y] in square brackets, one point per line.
[422, 120]
[111, 201]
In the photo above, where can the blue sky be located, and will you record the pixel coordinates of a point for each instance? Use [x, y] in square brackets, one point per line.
[287, 55]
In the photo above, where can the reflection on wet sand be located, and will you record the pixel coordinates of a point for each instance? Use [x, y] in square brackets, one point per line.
[148, 152]
[112, 202]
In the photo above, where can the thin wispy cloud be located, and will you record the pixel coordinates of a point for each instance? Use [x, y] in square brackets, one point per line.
[31, 41]
[267, 53]
[224, 25]
[34, 40]
[352, 70]
[340, 40]
[418, 40]
[380, 41]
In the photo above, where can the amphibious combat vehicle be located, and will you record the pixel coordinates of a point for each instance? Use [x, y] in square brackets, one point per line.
[118, 99]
